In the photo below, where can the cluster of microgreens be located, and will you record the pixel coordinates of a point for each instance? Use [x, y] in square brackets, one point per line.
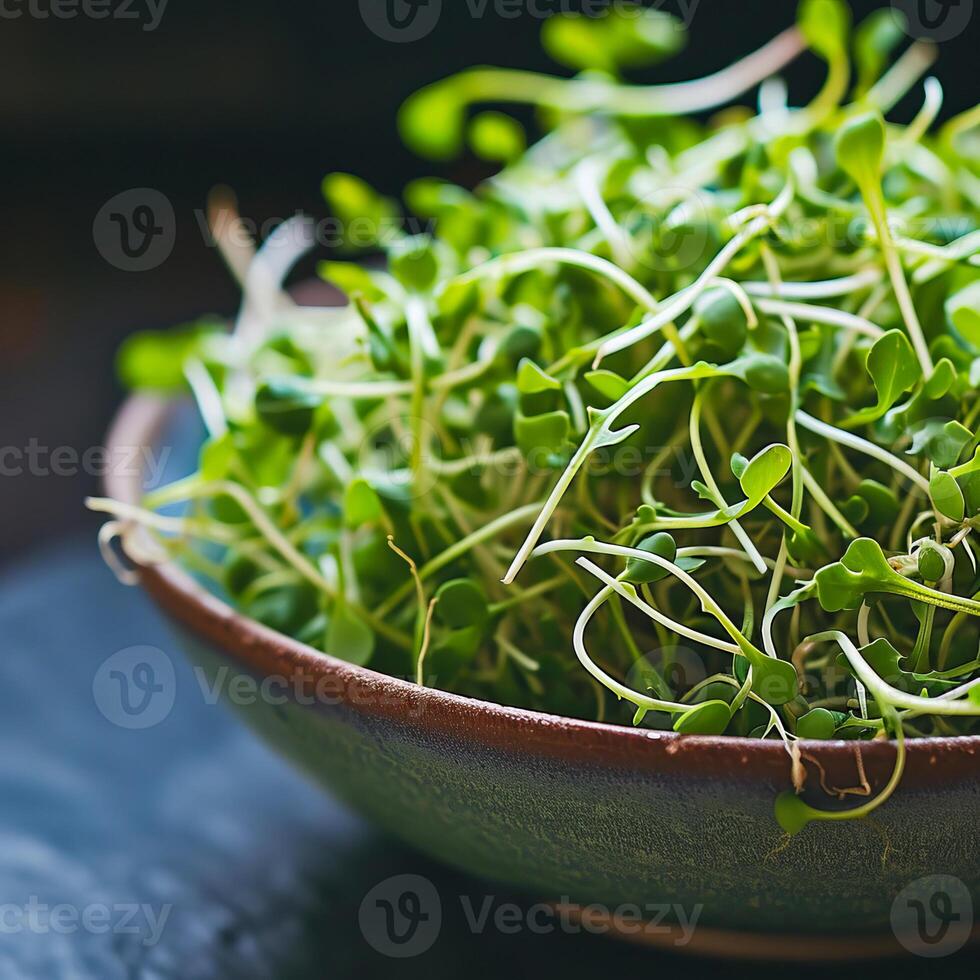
[690, 405]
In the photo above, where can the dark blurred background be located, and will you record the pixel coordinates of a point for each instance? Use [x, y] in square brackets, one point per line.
[263, 97]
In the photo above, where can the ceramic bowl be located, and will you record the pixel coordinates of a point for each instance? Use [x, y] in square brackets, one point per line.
[590, 813]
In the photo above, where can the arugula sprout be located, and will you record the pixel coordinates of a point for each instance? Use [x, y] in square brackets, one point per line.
[730, 367]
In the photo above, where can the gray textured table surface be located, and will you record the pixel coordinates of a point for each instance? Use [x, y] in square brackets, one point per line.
[189, 850]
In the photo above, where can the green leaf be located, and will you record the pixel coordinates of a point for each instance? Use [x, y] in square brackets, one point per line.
[362, 505]
[412, 261]
[497, 137]
[863, 570]
[349, 638]
[216, 457]
[286, 406]
[621, 36]
[546, 433]
[947, 496]
[351, 278]
[431, 121]
[860, 148]
[872, 503]
[462, 603]
[792, 814]
[708, 718]
[608, 383]
[531, 380]
[765, 471]
[894, 369]
[886, 662]
[154, 360]
[764, 373]
[874, 41]
[963, 311]
[826, 25]
[940, 441]
[639, 572]
[366, 218]
[931, 563]
[819, 723]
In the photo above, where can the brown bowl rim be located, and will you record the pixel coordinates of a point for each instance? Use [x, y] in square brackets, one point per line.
[489, 725]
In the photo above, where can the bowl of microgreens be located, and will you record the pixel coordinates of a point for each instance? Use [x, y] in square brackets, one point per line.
[616, 535]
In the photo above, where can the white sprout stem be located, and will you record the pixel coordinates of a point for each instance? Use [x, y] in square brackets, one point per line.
[896, 273]
[602, 548]
[380, 390]
[863, 446]
[740, 533]
[262, 522]
[644, 101]
[516, 262]
[927, 115]
[964, 247]
[620, 690]
[720, 551]
[686, 298]
[359, 389]
[208, 398]
[826, 289]
[827, 505]
[630, 596]
[422, 342]
[884, 693]
[912, 65]
[210, 531]
[821, 314]
[599, 434]
[586, 177]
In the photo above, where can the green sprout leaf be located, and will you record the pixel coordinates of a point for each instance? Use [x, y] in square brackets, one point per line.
[623, 36]
[349, 638]
[963, 311]
[947, 496]
[707, 718]
[861, 148]
[494, 136]
[894, 369]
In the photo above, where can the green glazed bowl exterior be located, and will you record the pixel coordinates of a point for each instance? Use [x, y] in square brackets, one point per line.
[587, 812]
